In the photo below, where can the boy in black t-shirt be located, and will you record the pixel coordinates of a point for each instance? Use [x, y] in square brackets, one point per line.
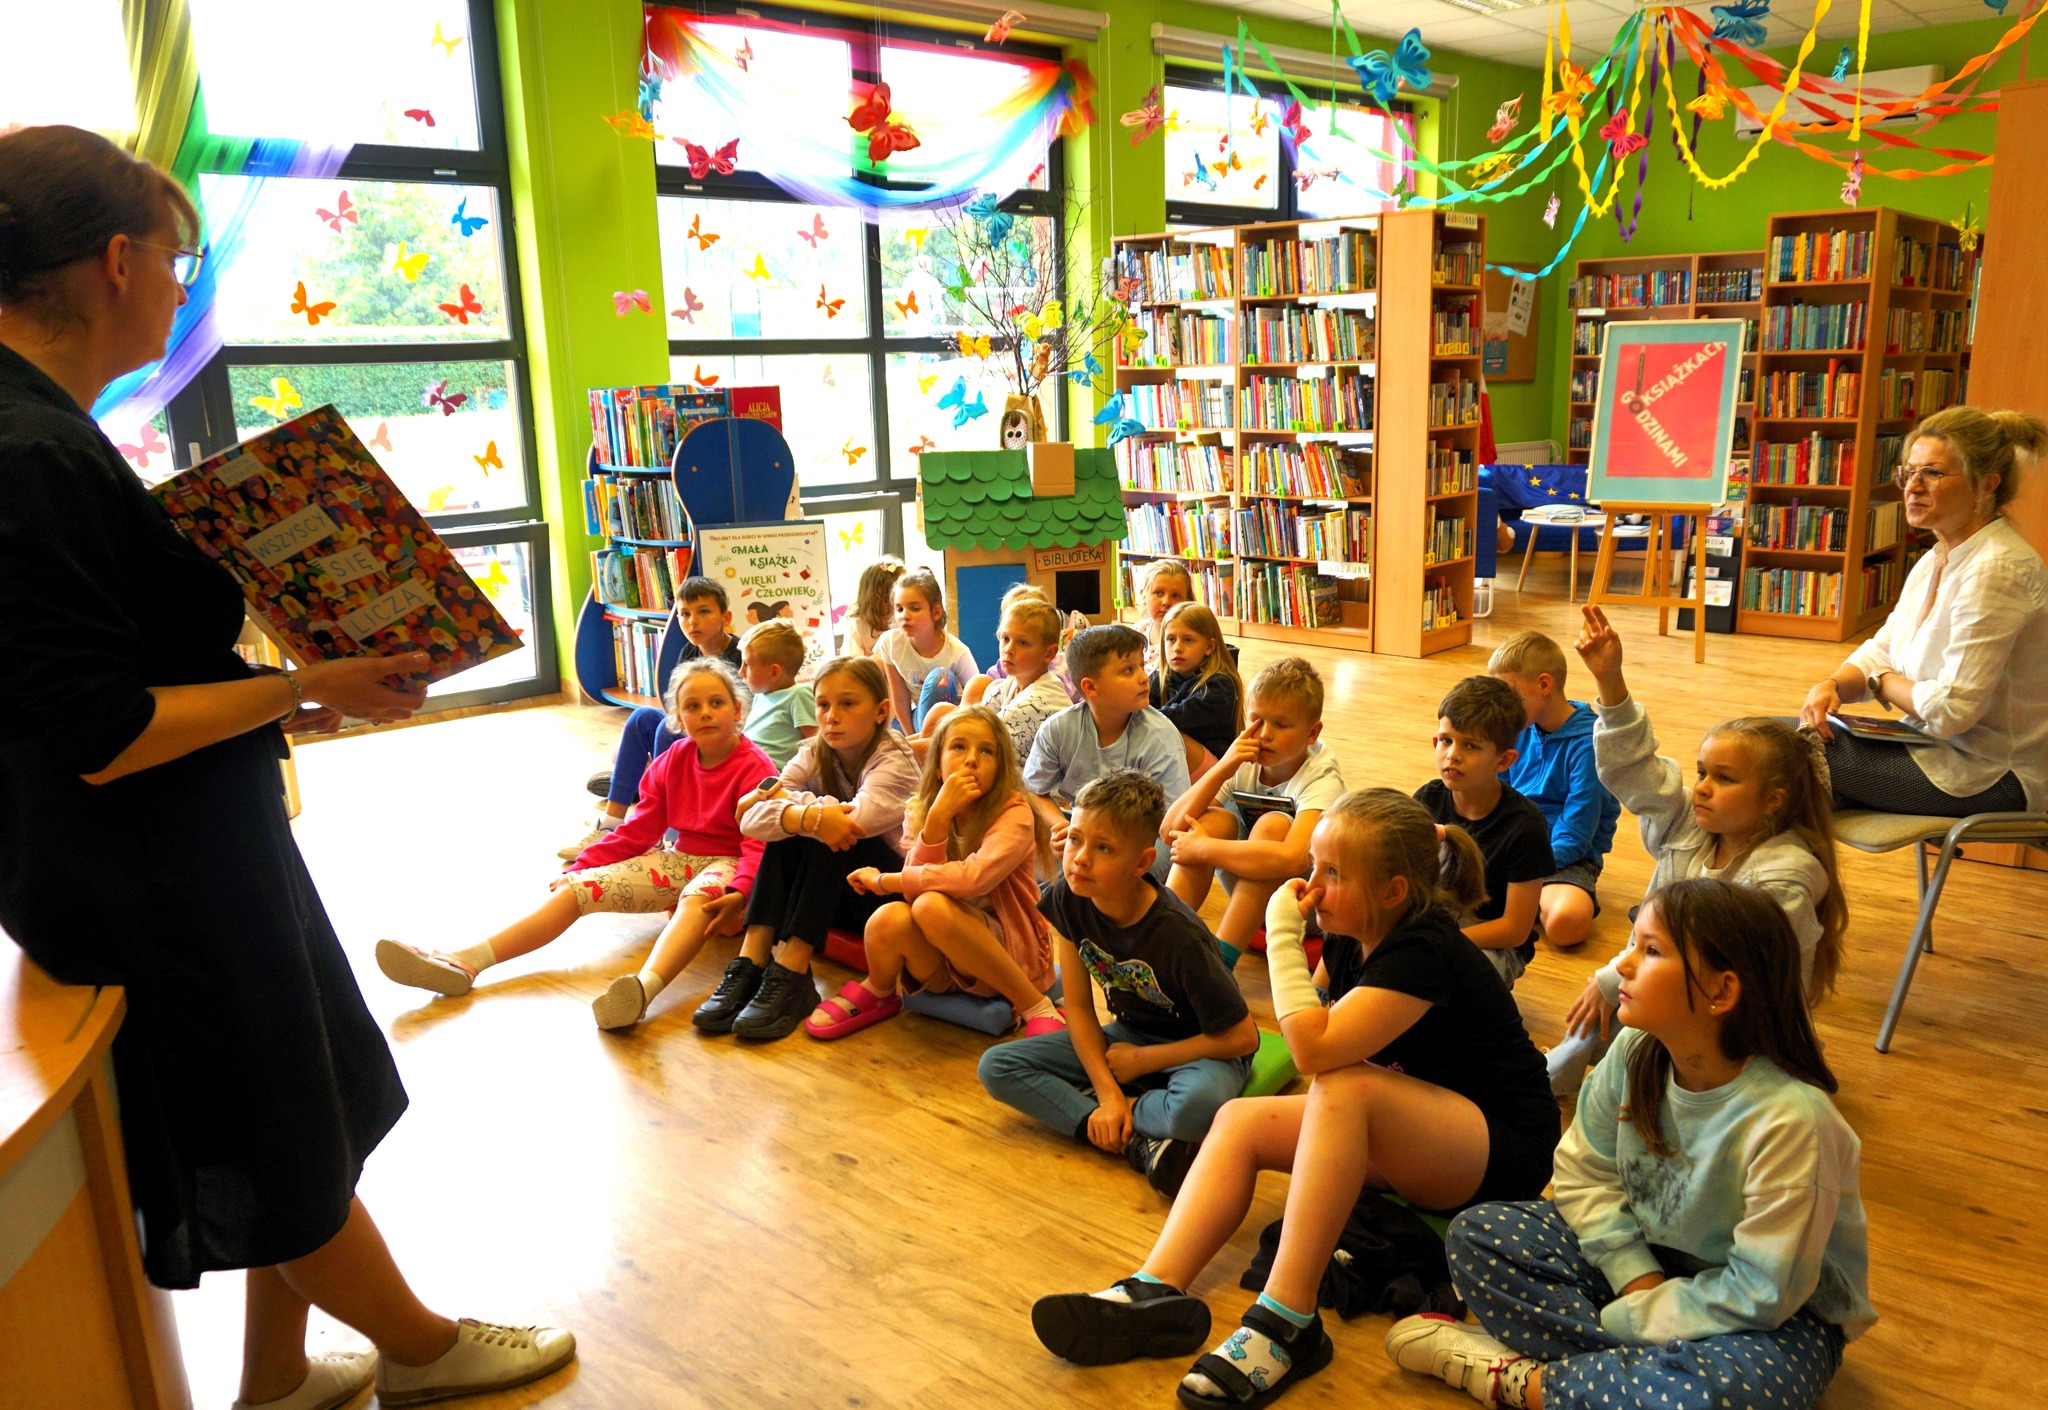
[1477, 725]
[1181, 1037]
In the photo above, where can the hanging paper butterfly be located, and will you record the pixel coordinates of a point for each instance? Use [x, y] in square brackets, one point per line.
[907, 305]
[1741, 22]
[871, 112]
[1997, 7]
[1089, 369]
[1550, 212]
[628, 300]
[1046, 320]
[924, 443]
[1115, 414]
[705, 240]
[703, 163]
[831, 306]
[1487, 169]
[1291, 124]
[465, 222]
[1842, 62]
[704, 380]
[344, 209]
[314, 312]
[382, 440]
[1852, 185]
[1505, 117]
[1573, 83]
[463, 307]
[629, 123]
[447, 44]
[964, 410]
[649, 94]
[420, 115]
[744, 55]
[973, 346]
[760, 269]
[407, 266]
[1619, 139]
[852, 452]
[1708, 105]
[925, 383]
[1304, 178]
[1201, 173]
[1259, 122]
[1000, 30]
[283, 399]
[691, 307]
[152, 444]
[437, 394]
[890, 138]
[1968, 231]
[1147, 117]
[1382, 75]
[817, 231]
[489, 461]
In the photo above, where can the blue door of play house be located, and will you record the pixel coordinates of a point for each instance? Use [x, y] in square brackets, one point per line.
[979, 611]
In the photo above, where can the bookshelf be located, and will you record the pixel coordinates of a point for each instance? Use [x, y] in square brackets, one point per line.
[1865, 318]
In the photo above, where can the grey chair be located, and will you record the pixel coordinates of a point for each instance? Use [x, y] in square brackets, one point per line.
[1941, 839]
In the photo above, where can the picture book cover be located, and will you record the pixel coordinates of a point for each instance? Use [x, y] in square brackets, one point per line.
[333, 559]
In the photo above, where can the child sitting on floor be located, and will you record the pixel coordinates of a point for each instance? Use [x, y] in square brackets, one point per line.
[782, 717]
[692, 790]
[1759, 815]
[1280, 754]
[1424, 1081]
[837, 806]
[1475, 737]
[967, 921]
[978, 688]
[1197, 686]
[1163, 585]
[1029, 692]
[1554, 769]
[1114, 727]
[1704, 1243]
[927, 665]
[874, 606]
[1181, 1037]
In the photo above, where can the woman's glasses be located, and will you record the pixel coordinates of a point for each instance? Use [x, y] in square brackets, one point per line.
[184, 263]
[1928, 475]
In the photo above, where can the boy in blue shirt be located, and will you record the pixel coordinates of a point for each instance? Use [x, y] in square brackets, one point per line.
[783, 714]
[1554, 769]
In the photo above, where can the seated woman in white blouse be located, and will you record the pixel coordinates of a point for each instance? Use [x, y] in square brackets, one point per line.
[1964, 655]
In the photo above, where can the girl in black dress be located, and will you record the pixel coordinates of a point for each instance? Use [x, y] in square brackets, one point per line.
[253, 1081]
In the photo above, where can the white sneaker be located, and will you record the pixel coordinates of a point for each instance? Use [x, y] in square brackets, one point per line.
[424, 969]
[1462, 1357]
[575, 849]
[331, 1380]
[621, 1005]
[485, 1357]
[1568, 1062]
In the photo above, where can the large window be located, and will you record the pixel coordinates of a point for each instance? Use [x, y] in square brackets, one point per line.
[1227, 164]
[859, 322]
[66, 63]
[422, 350]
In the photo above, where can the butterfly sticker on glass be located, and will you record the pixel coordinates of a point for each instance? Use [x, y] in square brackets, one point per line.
[963, 410]
[817, 231]
[703, 378]
[152, 444]
[283, 400]
[382, 440]
[906, 305]
[489, 461]
[852, 452]
[703, 163]
[831, 306]
[691, 306]
[314, 312]
[344, 209]
[924, 443]
[494, 580]
[760, 269]
[420, 115]
[465, 222]
[465, 304]
[437, 394]
[447, 44]
[704, 238]
[827, 378]
[409, 266]
[849, 539]
[627, 301]
[925, 383]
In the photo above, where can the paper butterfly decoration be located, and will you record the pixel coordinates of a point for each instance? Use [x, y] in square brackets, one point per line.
[1089, 368]
[705, 240]
[1504, 119]
[692, 306]
[648, 95]
[973, 346]
[152, 444]
[744, 55]
[437, 394]
[760, 269]
[439, 498]
[906, 306]
[703, 163]
[1258, 181]
[382, 440]
[852, 452]
[1045, 321]
[627, 300]
[1132, 337]
[447, 44]
[925, 383]
[489, 461]
[858, 534]
[1997, 7]
[890, 138]
[827, 378]
[1842, 62]
[915, 235]
[344, 209]
[1968, 231]
[1852, 185]
[1201, 173]
[1147, 117]
[831, 306]
[407, 266]
[1741, 23]
[465, 222]
[629, 123]
[1036, 172]
[1490, 167]
[1708, 105]
[966, 411]
[1573, 83]
[1259, 122]
[420, 115]
[1116, 416]
[1550, 212]
[1619, 138]
[1382, 74]
[924, 443]
[817, 231]
[465, 304]
[702, 380]
[494, 580]
[1000, 30]
[1290, 123]
[314, 312]
[874, 117]
[283, 400]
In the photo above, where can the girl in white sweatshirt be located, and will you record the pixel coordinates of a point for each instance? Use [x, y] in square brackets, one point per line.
[1705, 1243]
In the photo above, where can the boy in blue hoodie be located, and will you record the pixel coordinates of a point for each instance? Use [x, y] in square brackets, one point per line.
[1554, 769]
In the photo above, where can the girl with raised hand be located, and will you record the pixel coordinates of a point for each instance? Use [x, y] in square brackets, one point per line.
[1704, 1243]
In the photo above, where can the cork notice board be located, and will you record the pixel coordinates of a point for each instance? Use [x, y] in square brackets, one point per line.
[1509, 345]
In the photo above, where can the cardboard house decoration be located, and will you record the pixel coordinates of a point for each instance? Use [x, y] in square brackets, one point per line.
[1049, 515]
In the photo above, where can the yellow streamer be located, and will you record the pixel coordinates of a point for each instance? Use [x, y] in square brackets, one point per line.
[1600, 208]
[1549, 48]
[1862, 53]
[1685, 148]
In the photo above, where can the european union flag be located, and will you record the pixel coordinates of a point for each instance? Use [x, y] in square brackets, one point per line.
[1519, 487]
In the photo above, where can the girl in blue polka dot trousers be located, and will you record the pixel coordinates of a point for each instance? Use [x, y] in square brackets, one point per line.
[1705, 1246]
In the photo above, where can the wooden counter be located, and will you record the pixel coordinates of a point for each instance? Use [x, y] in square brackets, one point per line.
[80, 1327]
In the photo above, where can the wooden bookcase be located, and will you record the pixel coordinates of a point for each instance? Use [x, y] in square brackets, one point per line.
[1865, 317]
[599, 624]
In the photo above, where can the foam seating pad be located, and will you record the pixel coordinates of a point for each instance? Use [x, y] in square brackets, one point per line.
[992, 1016]
[1312, 946]
[845, 947]
[1273, 1069]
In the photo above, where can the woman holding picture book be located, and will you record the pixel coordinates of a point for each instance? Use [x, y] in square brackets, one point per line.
[143, 837]
[1964, 655]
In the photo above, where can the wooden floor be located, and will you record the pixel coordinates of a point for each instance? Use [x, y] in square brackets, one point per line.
[857, 1224]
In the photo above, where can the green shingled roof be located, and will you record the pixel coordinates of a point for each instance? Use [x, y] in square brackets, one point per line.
[983, 499]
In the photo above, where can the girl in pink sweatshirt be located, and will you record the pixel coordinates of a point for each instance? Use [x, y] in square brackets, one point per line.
[703, 875]
[968, 918]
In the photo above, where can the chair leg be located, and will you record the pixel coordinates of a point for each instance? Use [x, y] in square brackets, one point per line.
[1920, 851]
[1923, 926]
[1527, 554]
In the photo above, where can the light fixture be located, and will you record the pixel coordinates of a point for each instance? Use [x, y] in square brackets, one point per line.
[1490, 7]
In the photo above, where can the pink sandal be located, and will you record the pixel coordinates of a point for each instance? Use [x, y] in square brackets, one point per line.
[1054, 1022]
[864, 1009]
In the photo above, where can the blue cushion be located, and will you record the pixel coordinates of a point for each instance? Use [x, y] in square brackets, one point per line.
[991, 1016]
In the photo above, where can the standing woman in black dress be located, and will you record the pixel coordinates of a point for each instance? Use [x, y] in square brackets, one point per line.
[253, 1081]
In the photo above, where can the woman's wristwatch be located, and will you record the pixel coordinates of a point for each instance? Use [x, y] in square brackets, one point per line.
[1874, 684]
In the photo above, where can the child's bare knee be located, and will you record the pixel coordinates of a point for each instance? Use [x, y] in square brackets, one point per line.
[1272, 827]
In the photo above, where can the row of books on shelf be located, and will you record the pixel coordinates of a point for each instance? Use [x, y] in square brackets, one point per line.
[1446, 537]
[1452, 329]
[1912, 330]
[641, 578]
[641, 426]
[1810, 395]
[1174, 467]
[1338, 403]
[1290, 595]
[1452, 471]
[1200, 272]
[1342, 263]
[1586, 338]
[1585, 384]
[1730, 286]
[1298, 334]
[1816, 327]
[1178, 530]
[634, 507]
[1272, 529]
[1179, 336]
[1815, 459]
[1821, 256]
[1579, 433]
[1309, 470]
[636, 653]
[1215, 585]
[1904, 395]
[1439, 605]
[1806, 527]
[1921, 265]
[1453, 403]
[1884, 524]
[1807, 592]
[1458, 262]
[1165, 406]
[1659, 288]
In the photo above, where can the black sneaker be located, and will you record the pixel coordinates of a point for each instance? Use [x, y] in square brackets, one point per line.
[1164, 1163]
[1088, 1330]
[600, 783]
[734, 992]
[784, 1000]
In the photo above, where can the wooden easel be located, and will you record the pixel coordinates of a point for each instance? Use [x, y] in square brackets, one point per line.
[1657, 560]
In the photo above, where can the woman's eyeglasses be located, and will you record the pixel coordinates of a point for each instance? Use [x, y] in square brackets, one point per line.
[1927, 475]
[184, 263]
